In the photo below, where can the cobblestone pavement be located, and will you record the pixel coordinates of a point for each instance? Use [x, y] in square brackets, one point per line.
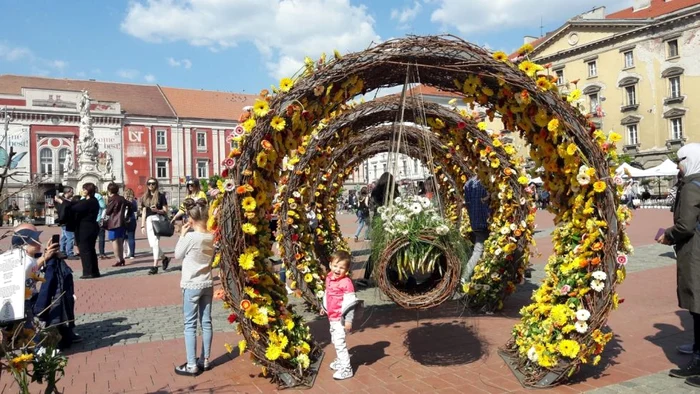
[132, 325]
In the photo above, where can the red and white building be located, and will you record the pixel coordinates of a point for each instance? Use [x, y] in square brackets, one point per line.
[147, 130]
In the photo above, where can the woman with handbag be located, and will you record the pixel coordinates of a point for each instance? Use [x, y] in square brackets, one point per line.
[86, 228]
[154, 208]
[115, 215]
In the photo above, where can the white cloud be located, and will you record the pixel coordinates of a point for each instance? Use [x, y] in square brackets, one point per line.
[283, 31]
[12, 53]
[186, 63]
[481, 16]
[407, 14]
[128, 74]
[58, 64]
[150, 78]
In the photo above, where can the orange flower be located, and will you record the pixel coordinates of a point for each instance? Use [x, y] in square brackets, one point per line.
[244, 188]
[597, 246]
[583, 263]
[517, 232]
[245, 304]
[235, 152]
[595, 261]
[508, 171]
[267, 145]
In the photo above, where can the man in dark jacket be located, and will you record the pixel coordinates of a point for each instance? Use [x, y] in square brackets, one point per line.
[684, 235]
[67, 243]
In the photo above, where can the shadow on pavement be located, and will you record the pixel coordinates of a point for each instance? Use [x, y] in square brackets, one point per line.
[608, 358]
[443, 344]
[101, 334]
[669, 336]
[367, 354]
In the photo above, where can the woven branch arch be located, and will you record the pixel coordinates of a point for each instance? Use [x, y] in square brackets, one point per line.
[588, 241]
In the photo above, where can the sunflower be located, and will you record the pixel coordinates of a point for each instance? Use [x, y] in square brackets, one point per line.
[569, 348]
[286, 84]
[543, 83]
[261, 108]
[529, 68]
[249, 228]
[249, 204]
[261, 159]
[500, 56]
[278, 123]
[525, 49]
[246, 261]
[249, 124]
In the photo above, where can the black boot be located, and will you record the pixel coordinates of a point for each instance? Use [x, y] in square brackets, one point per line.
[693, 381]
[690, 370]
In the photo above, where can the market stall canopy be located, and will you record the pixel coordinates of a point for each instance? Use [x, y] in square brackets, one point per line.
[626, 170]
[667, 168]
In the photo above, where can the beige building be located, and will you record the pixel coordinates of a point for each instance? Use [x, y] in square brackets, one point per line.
[638, 70]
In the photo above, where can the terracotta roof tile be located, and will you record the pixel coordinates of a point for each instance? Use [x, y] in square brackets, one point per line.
[655, 9]
[134, 99]
[207, 104]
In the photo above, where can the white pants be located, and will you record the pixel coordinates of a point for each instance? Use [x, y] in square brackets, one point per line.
[338, 339]
[479, 239]
[153, 239]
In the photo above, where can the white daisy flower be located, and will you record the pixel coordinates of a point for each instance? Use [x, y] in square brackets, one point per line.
[581, 326]
[583, 179]
[597, 285]
[599, 275]
[583, 314]
[416, 208]
[532, 354]
[442, 229]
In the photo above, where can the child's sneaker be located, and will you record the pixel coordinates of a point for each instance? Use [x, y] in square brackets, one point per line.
[335, 365]
[186, 370]
[203, 365]
[344, 373]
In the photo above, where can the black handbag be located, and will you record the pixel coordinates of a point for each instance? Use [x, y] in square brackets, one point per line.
[162, 226]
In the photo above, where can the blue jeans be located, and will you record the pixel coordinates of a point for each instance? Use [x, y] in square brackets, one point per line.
[363, 223]
[101, 241]
[197, 303]
[67, 242]
[131, 239]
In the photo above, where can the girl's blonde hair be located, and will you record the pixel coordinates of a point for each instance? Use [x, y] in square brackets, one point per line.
[198, 210]
[129, 194]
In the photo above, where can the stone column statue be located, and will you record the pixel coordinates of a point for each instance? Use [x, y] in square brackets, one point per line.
[68, 164]
[87, 147]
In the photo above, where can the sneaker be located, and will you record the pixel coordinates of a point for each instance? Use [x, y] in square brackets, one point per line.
[692, 369]
[166, 263]
[204, 366]
[153, 271]
[289, 290]
[186, 370]
[335, 365]
[685, 349]
[342, 374]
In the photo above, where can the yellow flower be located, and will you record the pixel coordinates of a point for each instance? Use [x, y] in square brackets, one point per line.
[543, 83]
[248, 204]
[278, 123]
[495, 163]
[529, 68]
[286, 84]
[228, 347]
[560, 314]
[481, 126]
[571, 149]
[308, 278]
[249, 124]
[261, 198]
[569, 348]
[509, 149]
[599, 186]
[261, 159]
[249, 228]
[614, 137]
[596, 360]
[261, 108]
[246, 261]
[217, 260]
[522, 179]
[242, 345]
[525, 49]
[273, 352]
[289, 323]
[500, 56]
[304, 361]
[574, 95]
[553, 125]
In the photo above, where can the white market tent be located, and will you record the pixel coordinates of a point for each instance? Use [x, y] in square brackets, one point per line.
[667, 168]
[626, 170]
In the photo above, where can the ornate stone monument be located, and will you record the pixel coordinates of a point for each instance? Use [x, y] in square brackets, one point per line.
[93, 166]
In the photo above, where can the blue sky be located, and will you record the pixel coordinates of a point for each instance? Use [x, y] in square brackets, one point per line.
[244, 45]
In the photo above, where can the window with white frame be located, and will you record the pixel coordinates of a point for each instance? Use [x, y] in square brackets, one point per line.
[415, 166]
[202, 169]
[161, 140]
[46, 161]
[62, 154]
[560, 77]
[592, 69]
[674, 84]
[595, 101]
[631, 95]
[629, 59]
[676, 128]
[161, 168]
[632, 136]
[201, 141]
[672, 48]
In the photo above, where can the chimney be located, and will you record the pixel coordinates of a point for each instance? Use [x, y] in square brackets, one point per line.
[528, 39]
[640, 5]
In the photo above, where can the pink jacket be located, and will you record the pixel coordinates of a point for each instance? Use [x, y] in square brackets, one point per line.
[339, 295]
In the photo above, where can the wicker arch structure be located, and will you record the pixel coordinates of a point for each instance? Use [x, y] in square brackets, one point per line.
[589, 239]
[362, 118]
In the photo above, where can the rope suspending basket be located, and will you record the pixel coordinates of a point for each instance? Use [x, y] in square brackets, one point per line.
[287, 148]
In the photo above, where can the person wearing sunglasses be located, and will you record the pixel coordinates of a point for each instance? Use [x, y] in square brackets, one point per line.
[153, 203]
[194, 191]
[684, 235]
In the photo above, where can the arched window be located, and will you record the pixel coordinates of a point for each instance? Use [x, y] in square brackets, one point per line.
[46, 161]
[62, 160]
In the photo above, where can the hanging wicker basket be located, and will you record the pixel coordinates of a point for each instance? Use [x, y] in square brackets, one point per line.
[432, 291]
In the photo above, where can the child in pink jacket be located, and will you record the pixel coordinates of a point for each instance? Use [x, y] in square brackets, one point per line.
[339, 302]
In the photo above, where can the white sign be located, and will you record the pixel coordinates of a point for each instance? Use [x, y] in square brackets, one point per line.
[110, 140]
[11, 287]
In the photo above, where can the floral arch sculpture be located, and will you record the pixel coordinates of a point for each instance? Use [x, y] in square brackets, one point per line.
[562, 328]
[503, 263]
